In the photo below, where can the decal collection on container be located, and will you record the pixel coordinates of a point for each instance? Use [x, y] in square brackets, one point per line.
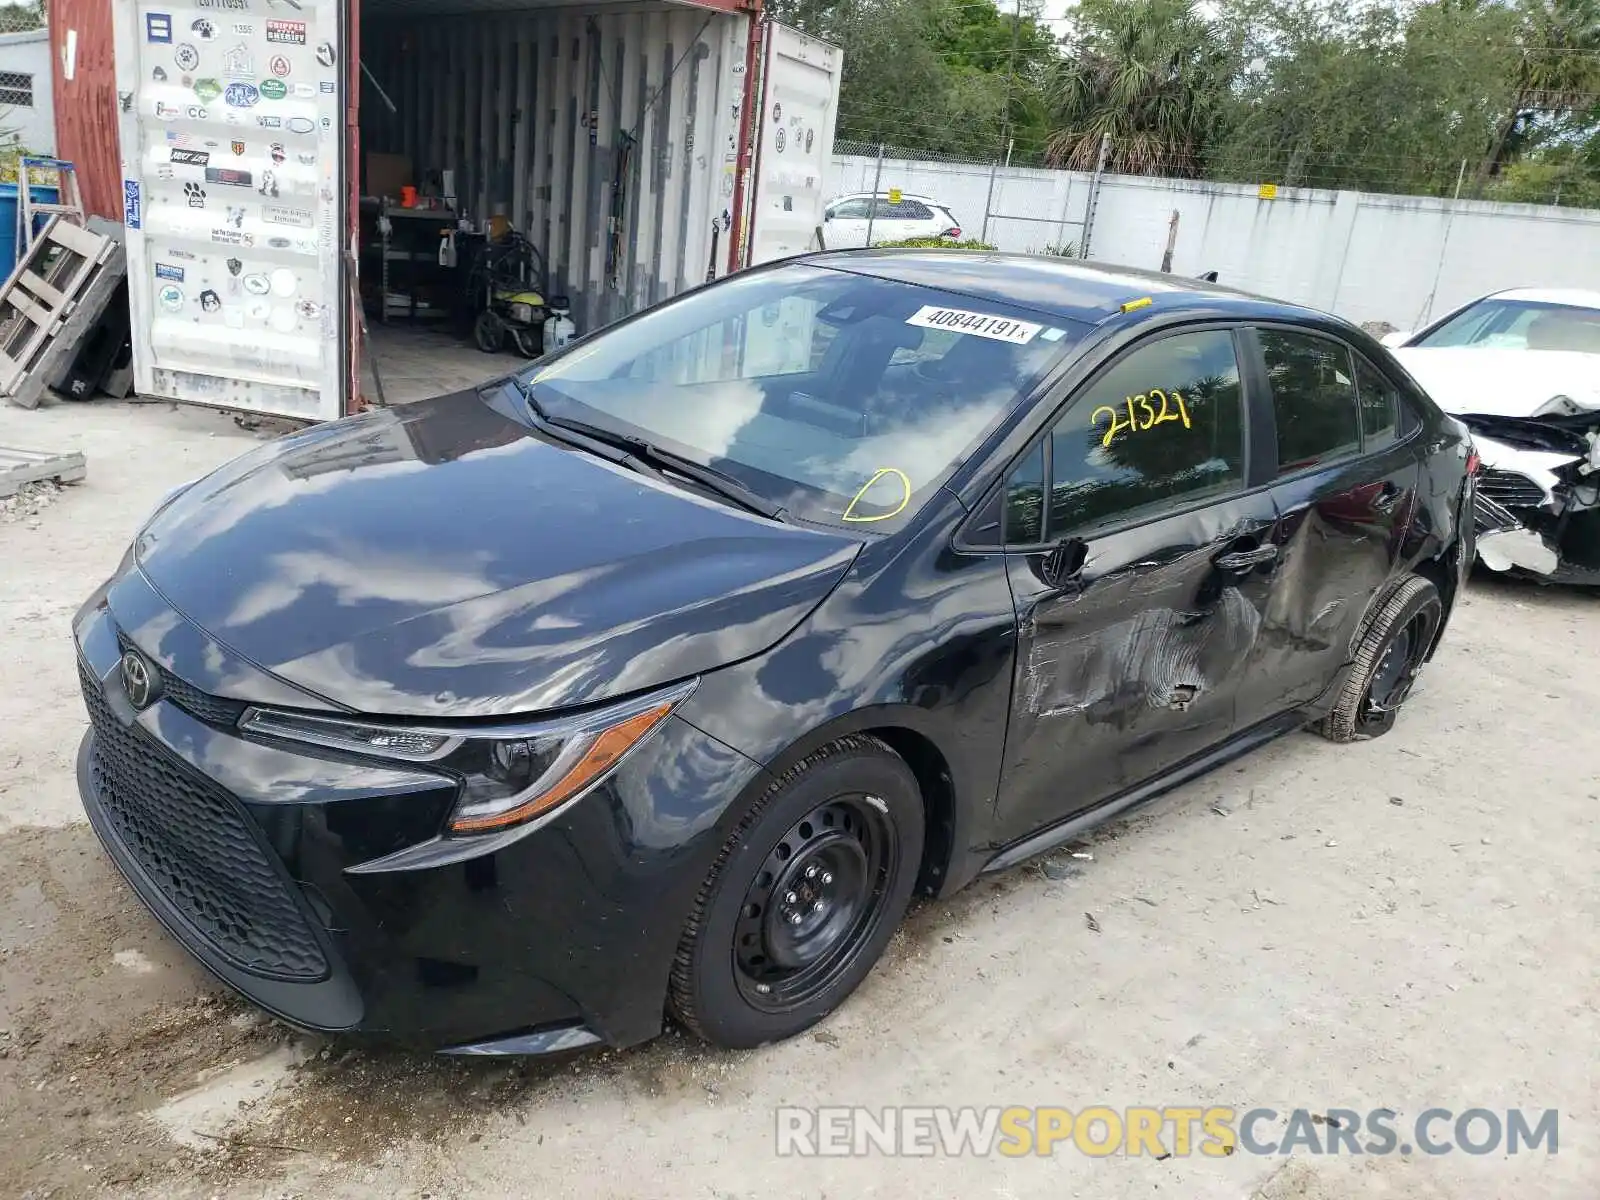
[230, 170]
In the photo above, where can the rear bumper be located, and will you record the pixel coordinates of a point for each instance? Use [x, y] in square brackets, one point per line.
[248, 855]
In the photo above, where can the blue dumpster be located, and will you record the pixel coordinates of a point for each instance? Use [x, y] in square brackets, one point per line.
[8, 221]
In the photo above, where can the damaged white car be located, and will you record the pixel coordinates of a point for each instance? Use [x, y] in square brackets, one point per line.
[1521, 369]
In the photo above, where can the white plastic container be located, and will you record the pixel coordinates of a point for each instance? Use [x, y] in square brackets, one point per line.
[558, 326]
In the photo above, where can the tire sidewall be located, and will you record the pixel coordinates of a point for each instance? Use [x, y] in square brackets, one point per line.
[1382, 634]
[722, 1012]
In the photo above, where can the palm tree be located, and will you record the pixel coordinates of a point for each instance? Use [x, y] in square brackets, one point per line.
[1557, 73]
[1149, 74]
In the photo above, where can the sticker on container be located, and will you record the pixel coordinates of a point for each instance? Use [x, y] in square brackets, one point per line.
[273, 89]
[279, 243]
[984, 325]
[301, 125]
[195, 194]
[168, 112]
[257, 285]
[203, 29]
[171, 298]
[328, 87]
[304, 89]
[278, 64]
[237, 146]
[269, 184]
[325, 54]
[309, 309]
[231, 237]
[196, 113]
[277, 152]
[159, 75]
[810, 133]
[234, 266]
[236, 215]
[208, 89]
[283, 282]
[242, 95]
[131, 216]
[158, 27]
[183, 254]
[209, 301]
[186, 56]
[190, 158]
[236, 63]
[277, 215]
[287, 33]
[283, 320]
[164, 271]
[243, 28]
[229, 175]
[270, 122]
[257, 310]
[780, 141]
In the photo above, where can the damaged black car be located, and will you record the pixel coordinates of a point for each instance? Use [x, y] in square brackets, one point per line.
[655, 680]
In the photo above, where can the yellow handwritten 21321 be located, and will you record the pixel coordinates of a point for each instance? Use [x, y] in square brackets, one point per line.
[1142, 414]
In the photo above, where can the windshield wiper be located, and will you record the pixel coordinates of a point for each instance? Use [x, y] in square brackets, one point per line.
[707, 477]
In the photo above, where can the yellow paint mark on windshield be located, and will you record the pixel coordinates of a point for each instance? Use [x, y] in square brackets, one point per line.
[1142, 302]
[880, 473]
[1142, 413]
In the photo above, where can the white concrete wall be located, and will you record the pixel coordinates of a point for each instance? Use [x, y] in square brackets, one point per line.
[29, 54]
[1366, 257]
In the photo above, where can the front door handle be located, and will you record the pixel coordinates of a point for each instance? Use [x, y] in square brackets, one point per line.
[1244, 560]
[1385, 500]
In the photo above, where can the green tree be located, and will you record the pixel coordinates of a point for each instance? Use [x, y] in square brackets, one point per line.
[1149, 77]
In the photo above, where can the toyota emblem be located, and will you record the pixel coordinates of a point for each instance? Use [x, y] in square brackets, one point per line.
[137, 680]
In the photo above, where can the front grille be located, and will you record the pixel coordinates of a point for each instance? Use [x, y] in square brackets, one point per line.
[1510, 489]
[213, 710]
[196, 845]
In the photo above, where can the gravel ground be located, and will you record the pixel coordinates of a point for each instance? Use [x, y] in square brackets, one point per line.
[1405, 923]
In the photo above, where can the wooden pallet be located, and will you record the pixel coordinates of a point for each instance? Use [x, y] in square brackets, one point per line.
[18, 467]
[57, 292]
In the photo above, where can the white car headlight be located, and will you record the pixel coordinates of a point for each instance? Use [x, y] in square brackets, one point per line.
[510, 775]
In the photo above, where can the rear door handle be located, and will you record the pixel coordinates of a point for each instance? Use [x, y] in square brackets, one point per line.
[1385, 500]
[1243, 560]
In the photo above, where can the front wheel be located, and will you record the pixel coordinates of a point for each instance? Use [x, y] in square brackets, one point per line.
[489, 332]
[803, 897]
[1387, 660]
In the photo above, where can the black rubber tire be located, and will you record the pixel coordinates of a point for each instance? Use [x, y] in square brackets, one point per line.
[703, 991]
[489, 332]
[1350, 718]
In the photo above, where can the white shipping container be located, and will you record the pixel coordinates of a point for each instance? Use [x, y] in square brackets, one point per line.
[618, 137]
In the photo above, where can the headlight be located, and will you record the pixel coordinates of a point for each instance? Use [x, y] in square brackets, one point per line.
[510, 774]
[523, 313]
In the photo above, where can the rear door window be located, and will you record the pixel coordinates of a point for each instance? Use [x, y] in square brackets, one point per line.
[1380, 407]
[1313, 398]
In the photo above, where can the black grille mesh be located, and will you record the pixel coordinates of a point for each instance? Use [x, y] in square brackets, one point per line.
[197, 846]
[213, 710]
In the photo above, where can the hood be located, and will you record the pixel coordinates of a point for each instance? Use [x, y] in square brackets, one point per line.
[442, 560]
[1502, 382]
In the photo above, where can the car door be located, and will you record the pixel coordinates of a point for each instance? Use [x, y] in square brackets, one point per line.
[1347, 478]
[847, 224]
[1138, 558]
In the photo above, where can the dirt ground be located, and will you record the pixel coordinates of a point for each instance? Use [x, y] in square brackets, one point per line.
[1405, 923]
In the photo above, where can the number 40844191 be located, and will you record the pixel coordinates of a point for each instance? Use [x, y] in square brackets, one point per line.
[1142, 413]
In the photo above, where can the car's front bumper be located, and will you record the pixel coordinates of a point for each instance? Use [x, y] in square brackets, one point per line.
[267, 863]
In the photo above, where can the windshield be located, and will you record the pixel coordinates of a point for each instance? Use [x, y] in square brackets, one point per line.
[1520, 325]
[843, 398]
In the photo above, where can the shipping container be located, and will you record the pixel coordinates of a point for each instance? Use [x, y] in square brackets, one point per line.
[284, 164]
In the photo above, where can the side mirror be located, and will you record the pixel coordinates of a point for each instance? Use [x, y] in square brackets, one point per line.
[827, 216]
[1062, 564]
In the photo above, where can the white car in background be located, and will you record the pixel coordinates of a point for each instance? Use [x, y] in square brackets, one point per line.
[1521, 369]
[847, 217]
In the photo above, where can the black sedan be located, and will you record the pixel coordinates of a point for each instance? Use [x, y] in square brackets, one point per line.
[656, 679]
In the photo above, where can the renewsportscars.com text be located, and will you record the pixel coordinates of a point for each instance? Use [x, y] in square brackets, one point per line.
[1175, 1131]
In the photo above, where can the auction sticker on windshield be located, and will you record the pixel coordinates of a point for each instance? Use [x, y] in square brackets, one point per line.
[1001, 329]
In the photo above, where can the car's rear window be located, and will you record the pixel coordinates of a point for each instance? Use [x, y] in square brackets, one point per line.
[847, 398]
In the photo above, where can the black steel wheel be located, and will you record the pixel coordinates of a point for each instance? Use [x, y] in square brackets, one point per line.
[489, 332]
[1389, 656]
[803, 898]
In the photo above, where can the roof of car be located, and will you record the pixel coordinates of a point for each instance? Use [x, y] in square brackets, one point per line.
[1061, 287]
[1576, 297]
[885, 195]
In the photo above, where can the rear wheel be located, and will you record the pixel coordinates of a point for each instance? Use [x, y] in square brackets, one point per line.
[528, 341]
[1387, 660]
[803, 898]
